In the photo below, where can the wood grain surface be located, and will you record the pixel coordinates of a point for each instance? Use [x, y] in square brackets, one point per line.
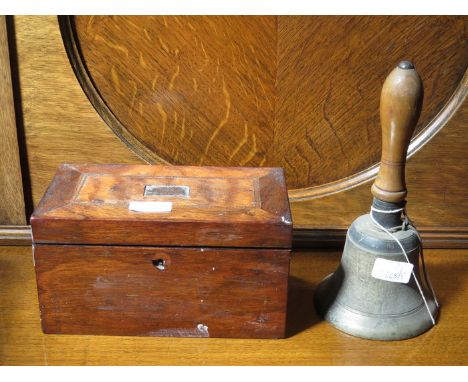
[434, 202]
[309, 341]
[11, 185]
[196, 292]
[400, 107]
[224, 207]
[15, 235]
[62, 126]
[299, 92]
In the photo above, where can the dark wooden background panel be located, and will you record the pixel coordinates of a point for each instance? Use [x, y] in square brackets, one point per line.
[330, 75]
[12, 210]
[61, 125]
[436, 182]
[301, 92]
[189, 88]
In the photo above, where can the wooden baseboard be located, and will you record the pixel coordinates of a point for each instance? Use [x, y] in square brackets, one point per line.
[433, 237]
[15, 235]
[333, 238]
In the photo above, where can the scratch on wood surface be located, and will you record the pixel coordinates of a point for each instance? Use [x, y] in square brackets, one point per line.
[134, 93]
[163, 45]
[206, 61]
[266, 95]
[245, 57]
[293, 168]
[175, 120]
[204, 65]
[130, 22]
[312, 145]
[199, 331]
[256, 98]
[106, 308]
[163, 115]
[182, 129]
[147, 34]
[243, 88]
[2, 318]
[239, 53]
[176, 19]
[116, 25]
[140, 108]
[252, 152]
[195, 84]
[258, 62]
[203, 329]
[227, 101]
[142, 60]
[165, 21]
[153, 83]
[242, 142]
[305, 159]
[189, 24]
[330, 124]
[89, 24]
[253, 86]
[215, 28]
[175, 157]
[110, 44]
[116, 81]
[174, 76]
[204, 51]
[44, 351]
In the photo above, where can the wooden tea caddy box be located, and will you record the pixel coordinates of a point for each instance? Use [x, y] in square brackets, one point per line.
[163, 251]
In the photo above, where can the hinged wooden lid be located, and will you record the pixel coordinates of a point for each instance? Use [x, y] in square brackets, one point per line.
[165, 206]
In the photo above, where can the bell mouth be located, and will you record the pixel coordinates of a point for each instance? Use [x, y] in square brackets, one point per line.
[391, 327]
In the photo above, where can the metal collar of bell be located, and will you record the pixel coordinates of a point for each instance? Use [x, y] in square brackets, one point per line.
[388, 219]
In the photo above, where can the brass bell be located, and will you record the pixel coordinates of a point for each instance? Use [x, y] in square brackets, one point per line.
[377, 291]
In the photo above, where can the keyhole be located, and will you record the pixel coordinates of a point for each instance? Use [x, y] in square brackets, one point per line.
[159, 264]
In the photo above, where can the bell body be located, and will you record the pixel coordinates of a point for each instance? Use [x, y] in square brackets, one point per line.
[355, 302]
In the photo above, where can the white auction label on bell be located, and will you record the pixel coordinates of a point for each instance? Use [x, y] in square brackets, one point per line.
[394, 271]
[150, 206]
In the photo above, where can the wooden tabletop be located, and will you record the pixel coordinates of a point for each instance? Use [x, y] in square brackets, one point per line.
[310, 340]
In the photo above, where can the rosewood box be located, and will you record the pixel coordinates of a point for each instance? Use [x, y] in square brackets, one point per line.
[163, 251]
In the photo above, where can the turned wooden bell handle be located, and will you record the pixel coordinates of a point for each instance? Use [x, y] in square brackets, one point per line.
[400, 107]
